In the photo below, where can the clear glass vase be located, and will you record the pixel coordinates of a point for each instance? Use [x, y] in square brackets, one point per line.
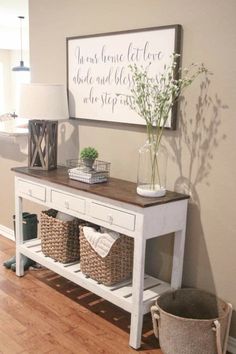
[151, 180]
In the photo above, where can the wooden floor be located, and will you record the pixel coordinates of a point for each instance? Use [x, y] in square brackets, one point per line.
[45, 313]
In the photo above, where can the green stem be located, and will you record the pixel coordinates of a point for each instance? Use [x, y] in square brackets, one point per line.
[153, 141]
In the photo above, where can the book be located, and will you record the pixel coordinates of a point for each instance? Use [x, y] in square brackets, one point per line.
[90, 180]
[87, 173]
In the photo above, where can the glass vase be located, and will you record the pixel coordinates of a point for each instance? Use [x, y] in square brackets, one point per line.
[152, 166]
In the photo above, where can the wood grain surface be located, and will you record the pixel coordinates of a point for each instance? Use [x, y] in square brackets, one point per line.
[117, 189]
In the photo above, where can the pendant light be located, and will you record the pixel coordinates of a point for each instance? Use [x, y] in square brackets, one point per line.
[21, 67]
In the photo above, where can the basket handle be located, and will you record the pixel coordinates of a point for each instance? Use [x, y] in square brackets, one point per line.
[216, 328]
[155, 317]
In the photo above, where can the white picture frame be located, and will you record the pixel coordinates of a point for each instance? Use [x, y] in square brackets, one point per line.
[98, 73]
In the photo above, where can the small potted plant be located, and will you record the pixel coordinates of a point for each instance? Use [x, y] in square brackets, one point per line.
[88, 156]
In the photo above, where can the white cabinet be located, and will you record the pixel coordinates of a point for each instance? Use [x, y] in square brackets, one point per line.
[117, 206]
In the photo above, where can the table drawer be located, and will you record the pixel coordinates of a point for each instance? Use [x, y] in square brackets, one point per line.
[68, 201]
[113, 216]
[33, 190]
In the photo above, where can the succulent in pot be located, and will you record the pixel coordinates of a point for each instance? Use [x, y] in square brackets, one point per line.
[88, 155]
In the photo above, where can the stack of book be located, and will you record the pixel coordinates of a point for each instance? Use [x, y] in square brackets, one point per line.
[86, 175]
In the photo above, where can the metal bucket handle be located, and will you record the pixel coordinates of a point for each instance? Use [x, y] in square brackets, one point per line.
[155, 312]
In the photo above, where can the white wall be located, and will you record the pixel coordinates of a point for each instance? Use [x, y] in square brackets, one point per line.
[5, 81]
[9, 80]
[18, 77]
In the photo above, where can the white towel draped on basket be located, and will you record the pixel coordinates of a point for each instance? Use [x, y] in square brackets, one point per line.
[102, 241]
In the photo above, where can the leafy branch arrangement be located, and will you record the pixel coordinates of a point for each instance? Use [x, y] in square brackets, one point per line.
[154, 97]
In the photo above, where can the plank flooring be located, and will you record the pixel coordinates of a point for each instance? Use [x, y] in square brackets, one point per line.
[45, 313]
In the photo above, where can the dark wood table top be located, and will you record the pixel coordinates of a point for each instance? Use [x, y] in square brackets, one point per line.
[116, 189]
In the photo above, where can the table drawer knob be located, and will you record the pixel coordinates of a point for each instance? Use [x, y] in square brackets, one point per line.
[110, 219]
[30, 192]
[66, 204]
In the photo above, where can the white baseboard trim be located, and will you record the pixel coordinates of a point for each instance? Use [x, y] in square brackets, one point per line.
[232, 345]
[6, 232]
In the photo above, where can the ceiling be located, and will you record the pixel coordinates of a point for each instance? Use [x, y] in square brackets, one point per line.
[10, 24]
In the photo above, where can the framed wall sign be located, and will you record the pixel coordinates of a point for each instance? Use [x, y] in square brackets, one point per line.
[99, 78]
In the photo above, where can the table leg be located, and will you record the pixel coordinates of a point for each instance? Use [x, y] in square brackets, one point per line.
[137, 293]
[178, 258]
[19, 234]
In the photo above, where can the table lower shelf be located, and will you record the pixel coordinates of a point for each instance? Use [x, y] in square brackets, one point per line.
[118, 294]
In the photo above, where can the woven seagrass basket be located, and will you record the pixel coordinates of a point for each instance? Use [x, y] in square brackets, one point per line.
[59, 239]
[191, 321]
[114, 268]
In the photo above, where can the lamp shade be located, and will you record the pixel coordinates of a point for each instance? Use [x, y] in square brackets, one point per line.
[43, 101]
[21, 67]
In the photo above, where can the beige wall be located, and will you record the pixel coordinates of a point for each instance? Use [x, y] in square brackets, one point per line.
[202, 151]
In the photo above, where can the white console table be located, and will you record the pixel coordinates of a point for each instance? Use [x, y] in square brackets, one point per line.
[115, 205]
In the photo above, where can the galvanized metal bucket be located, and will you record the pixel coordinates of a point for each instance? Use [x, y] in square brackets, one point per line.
[191, 321]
